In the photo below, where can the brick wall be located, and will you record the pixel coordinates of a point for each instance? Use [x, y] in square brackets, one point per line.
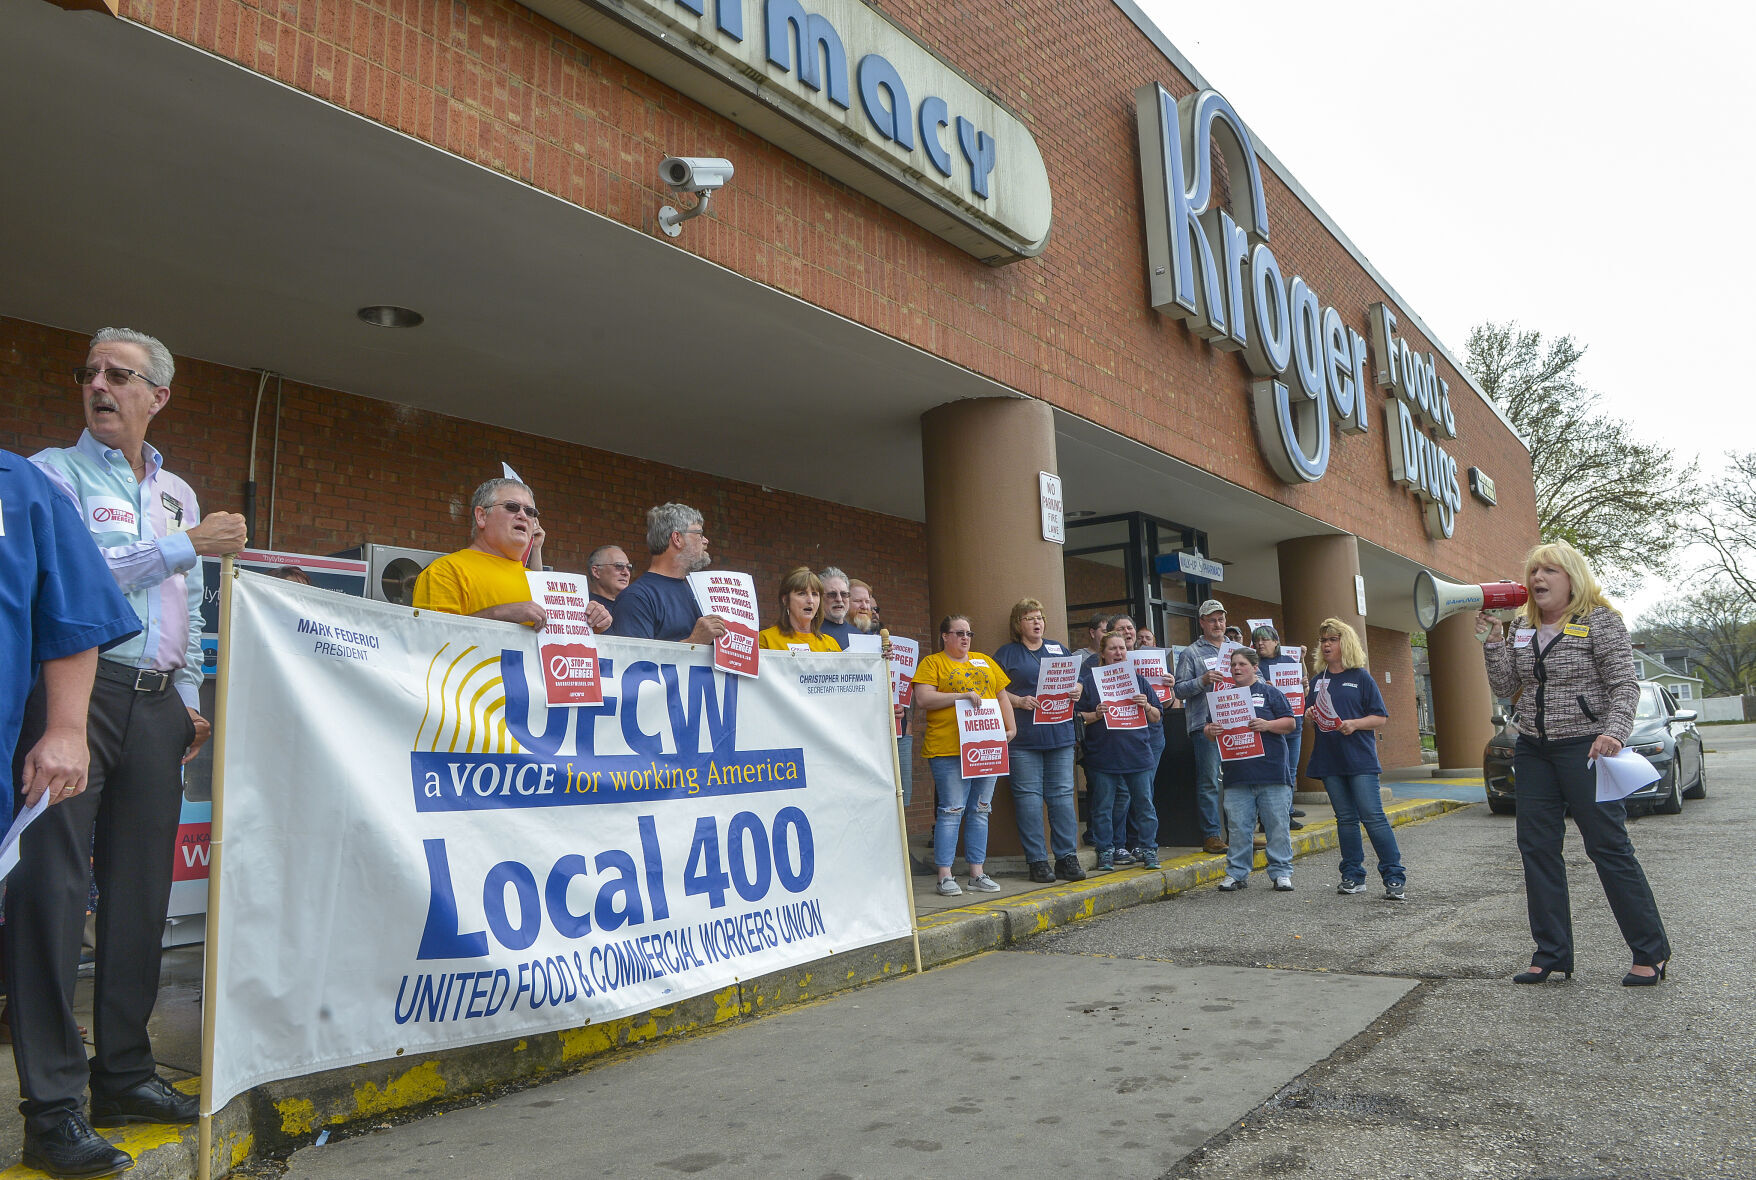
[496, 84]
[353, 470]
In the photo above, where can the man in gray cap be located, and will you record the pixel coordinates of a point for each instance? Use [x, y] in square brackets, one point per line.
[1193, 678]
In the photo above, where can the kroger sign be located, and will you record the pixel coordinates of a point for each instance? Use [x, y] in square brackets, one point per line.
[1214, 269]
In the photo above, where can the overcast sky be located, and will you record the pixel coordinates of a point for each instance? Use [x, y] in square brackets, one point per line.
[1582, 169]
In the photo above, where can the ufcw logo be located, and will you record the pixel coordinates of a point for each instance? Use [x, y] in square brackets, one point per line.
[466, 703]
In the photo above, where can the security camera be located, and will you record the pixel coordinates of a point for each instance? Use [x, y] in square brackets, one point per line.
[695, 174]
[700, 175]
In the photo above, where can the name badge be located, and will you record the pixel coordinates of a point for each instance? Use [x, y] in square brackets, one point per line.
[1259, 701]
[798, 647]
[1576, 629]
[1054, 649]
[173, 508]
[979, 662]
[1523, 636]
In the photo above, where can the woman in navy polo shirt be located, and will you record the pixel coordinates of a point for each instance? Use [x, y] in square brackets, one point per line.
[1346, 708]
[1042, 755]
[1119, 760]
[1256, 788]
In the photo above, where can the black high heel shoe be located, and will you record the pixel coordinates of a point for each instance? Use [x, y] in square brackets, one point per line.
[1633, 980]
[1539, 974]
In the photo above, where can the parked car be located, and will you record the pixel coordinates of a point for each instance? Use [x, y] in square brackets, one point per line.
[1663, 734]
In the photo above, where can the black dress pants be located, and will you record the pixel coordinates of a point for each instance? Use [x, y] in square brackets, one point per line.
[1551, 776]
[132, 798]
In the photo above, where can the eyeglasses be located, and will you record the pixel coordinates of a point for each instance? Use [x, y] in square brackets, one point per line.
[626, 567]
[962, 634]
[1030, 619]
[85, 375]
[514, 507]
[835, 594]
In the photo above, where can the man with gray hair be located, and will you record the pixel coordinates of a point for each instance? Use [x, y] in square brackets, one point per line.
[488, 579]
[837, 594]
[1194, 677]
[608, 570]
[659, 604]
[143, 724]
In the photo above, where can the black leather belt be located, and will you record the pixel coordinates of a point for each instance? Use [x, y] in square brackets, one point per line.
[139, 679]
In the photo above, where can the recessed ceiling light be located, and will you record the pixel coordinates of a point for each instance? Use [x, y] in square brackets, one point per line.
[388, 315]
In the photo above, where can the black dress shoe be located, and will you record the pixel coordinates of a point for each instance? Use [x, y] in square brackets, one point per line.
[153, 1101]
[71, 1148]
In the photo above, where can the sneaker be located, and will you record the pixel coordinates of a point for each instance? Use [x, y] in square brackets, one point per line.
[1283, 884]
[1041, 873]
[1351, 887]
[1149, 858]
[1294, 825]
[984, 884]
[1124, 856]
[948, 887]
[1068, 868]
[1394, 892]
[1233, 884]
[1106, 860]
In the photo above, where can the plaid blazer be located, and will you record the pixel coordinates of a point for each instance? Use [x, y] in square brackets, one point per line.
[1578, 686]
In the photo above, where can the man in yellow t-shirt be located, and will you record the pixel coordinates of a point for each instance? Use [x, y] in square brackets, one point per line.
[488, 580]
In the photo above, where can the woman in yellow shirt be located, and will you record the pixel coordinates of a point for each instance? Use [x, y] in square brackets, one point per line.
[801, 616]
[942, 679]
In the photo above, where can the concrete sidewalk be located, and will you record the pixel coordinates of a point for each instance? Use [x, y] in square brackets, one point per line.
[292, 1113]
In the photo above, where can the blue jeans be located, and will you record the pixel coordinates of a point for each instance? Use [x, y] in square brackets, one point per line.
[1293, 740]
[1045, 777]
[1273, 806]
[1206, 783]
[1357, 804]
[905, 755]
[955, 798]
[1106, 787]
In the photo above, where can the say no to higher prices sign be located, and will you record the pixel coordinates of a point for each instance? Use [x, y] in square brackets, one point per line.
[564, 645]
[731, 596]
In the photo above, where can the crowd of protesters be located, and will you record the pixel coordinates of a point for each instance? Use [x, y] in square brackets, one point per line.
[114, 630]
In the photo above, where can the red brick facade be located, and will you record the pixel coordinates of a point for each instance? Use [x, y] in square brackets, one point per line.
[494, 83]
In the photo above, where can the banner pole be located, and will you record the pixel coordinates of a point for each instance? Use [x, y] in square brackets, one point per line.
[896, 773]
[216, 831]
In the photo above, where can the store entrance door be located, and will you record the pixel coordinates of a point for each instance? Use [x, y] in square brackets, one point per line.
[1127, 564]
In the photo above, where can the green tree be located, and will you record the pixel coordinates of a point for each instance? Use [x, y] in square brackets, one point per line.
[1617, 499]
[1726, 524]
[1716, 626]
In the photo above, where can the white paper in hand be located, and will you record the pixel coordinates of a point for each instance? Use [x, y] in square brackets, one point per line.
[9, 846]
[1621, 774]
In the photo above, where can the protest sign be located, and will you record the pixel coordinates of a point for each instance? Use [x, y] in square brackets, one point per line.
[565, 647]
[1291, 682]
[1255, 623]
[981, 739]
[1322, 709]
[1057, 680]
[905, 654]
[731, 596]
[1117, 689]
[1231, 708]
[1150, 663]
[474, 866]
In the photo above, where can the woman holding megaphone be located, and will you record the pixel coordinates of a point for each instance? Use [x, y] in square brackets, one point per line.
[1570, 662]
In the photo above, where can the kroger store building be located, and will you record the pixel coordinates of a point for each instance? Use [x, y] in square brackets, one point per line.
[965, 244]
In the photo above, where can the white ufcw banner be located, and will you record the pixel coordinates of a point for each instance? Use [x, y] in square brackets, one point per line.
[418, 853]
